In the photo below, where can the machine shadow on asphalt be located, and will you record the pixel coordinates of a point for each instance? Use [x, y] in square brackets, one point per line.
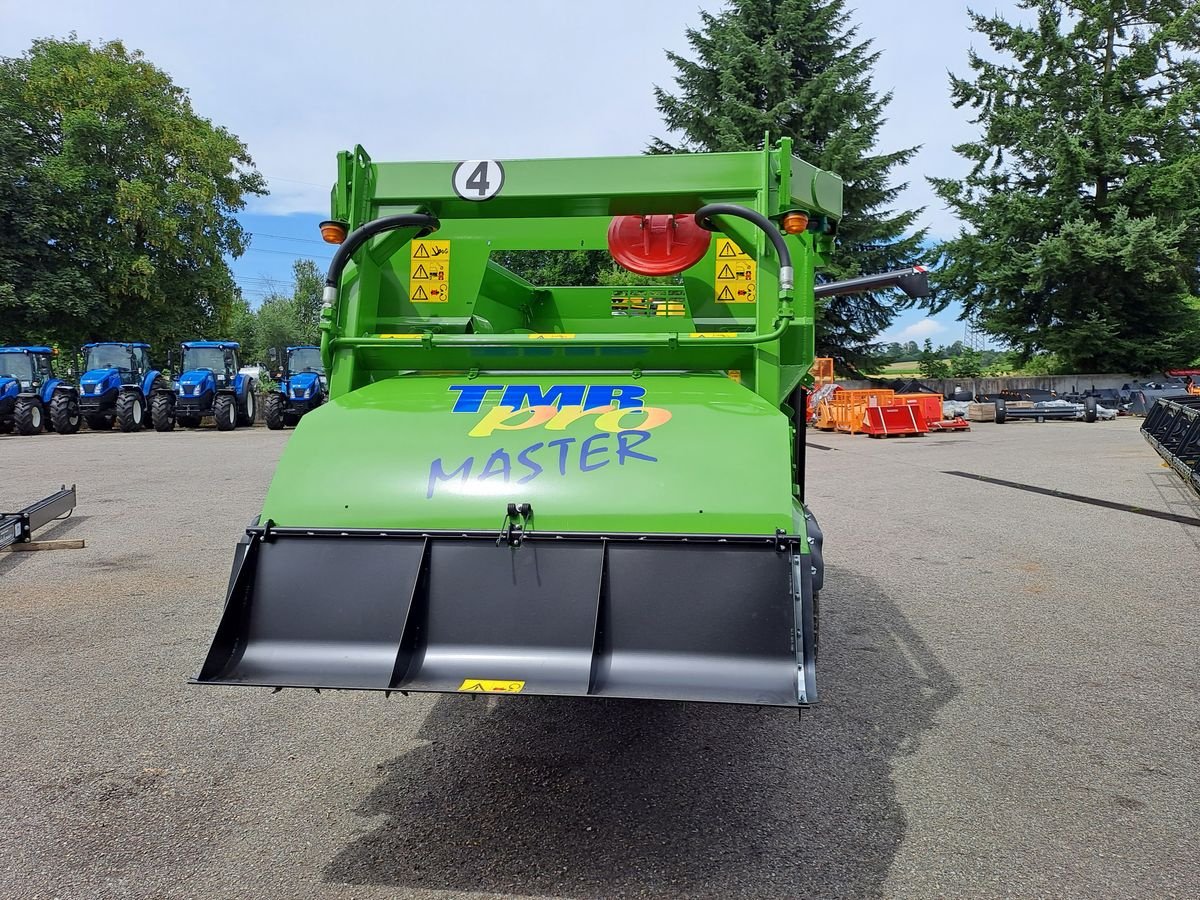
[563, 797]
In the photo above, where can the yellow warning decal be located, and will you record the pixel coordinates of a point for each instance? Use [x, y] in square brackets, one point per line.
[736, 274]
[550, 337]
[484, 686]
[429, 272]
[402, 336]
[713, 334]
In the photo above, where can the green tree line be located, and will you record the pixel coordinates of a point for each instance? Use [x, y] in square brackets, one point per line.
[119, 202]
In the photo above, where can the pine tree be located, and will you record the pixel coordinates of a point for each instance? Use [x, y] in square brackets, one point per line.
[1084, 193]
[794, 68]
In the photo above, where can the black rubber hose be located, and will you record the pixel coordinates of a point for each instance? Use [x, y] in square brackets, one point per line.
[704, 219]
[359, 236]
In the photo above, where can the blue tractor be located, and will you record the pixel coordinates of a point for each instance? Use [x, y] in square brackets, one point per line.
[119, 384]
[210, 384]
[301, 389]
[31, 398]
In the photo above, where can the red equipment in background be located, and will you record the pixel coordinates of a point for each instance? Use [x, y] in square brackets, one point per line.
[893, 421]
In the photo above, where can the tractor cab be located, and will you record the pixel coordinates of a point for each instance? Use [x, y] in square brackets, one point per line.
[23, 368]
[27, 387]
[302, 388]
[209, 384]
[109, 359]
[305, 360]
[219, 358]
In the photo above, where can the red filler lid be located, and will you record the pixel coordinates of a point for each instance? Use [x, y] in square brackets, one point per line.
[657, 245]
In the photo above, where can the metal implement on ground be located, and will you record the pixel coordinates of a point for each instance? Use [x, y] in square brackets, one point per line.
[209, 384]
[302, 388]
[30, 395]
[519, 488]
[120, 385]
[18, 527]
[1172, 427]
[1087, 411]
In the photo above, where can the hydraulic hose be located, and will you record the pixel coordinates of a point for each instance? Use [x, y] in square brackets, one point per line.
[359, 236]
[787, 274]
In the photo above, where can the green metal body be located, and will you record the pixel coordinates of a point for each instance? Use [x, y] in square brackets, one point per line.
[685, 428]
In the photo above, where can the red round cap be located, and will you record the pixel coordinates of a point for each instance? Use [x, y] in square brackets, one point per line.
[657, 245]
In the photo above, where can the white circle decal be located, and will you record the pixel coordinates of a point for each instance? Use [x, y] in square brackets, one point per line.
[478, 179]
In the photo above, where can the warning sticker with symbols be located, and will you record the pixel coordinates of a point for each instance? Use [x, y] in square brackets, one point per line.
[736, 273]
[429, 272]
[483, 685]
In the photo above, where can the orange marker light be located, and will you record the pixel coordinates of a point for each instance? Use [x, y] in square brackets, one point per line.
[795, 223]
[333, 232]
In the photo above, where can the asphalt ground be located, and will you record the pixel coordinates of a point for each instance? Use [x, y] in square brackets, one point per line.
[1009, 705]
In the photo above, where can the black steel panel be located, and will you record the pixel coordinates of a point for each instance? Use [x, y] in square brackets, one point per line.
[323, 612]
[698, 623]
[508, 614]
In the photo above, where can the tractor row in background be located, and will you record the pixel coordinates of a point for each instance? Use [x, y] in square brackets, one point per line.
[120, 385]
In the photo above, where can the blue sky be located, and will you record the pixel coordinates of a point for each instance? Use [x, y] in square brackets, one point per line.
[469, 79]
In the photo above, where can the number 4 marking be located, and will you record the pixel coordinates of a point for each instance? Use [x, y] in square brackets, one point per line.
[478, 179]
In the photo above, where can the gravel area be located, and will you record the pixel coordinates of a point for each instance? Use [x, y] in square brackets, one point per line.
[1010, 705]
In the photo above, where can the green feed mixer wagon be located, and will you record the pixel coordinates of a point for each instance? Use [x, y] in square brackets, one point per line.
[549, 489]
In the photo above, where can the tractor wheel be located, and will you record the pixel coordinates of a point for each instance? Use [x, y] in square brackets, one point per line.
[247, 412]
[225, 412]
[64, 414]
[274, 411]
[155, 389]
[131, 411]
[162, 411]
[1089, 409]
[1001, 412]
[291, 420]
[6, 426]
[188, 421]
[99, 421]
[28, 415]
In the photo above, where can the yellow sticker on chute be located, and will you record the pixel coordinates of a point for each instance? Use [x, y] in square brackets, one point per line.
[402, 336]
[736, 274]
[713, 334]
[552, 336]
[484, 686]
[429, 272]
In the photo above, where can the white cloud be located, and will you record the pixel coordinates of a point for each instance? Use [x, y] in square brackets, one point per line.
[473, 78]
[919, 330]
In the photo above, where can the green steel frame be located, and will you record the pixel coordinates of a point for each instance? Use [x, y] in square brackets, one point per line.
[496, 320]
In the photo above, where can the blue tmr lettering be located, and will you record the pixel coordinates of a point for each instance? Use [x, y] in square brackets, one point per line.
[558, 395]
[471, 396]
[626, 396]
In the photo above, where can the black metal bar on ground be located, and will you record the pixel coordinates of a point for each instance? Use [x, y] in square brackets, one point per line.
[18, 527]
[1079, 498]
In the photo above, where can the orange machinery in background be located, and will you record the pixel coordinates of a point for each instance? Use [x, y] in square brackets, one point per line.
[883, 413]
